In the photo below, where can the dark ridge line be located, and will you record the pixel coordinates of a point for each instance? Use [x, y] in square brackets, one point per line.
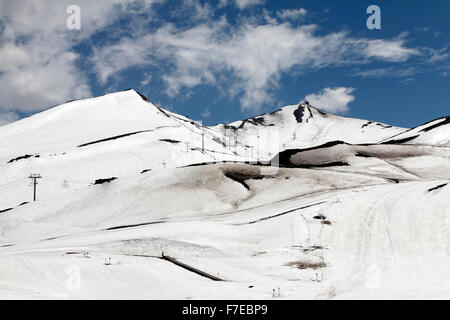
[132, 225]
[434, 126]
[256, 163]
[366, 124]
[9, 209]
[169, 140]
[283, 213]
[400, 141]
[106, 180]
[362, 155]
[325, 145]
[146, 170]
[113, 138]
[322, 165]
[24, 157]
[190, 268]
[258, 119]
[7, 245]
[424, 124]
[73, 252]
[161, 110]
[437, 187]
[384, 126]
[142, 96]
[268, 164]
[49, 239]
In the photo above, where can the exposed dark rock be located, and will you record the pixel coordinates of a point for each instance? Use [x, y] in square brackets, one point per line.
[363, 155]
[301, 111]
[142, 96]
[169, 140]
[24, 157]
[446, 121]
[106, 180]
[400, 141]
[133, 225]
[366, 124]
[112, 138]
[274, 112]
[437, 187]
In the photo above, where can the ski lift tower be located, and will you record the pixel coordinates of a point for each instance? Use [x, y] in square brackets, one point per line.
[34, 177]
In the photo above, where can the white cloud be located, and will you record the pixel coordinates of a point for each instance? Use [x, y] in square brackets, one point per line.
[246, 59]
[393, 50]
[437, 55]
[8, 117]
[206, 113]
[146, 79]
[332, 99]
[292, 14]
[38, 66]
[388, 72]
[241, 4]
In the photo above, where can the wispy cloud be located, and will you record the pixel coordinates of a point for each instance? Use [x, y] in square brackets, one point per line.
[389, 72]
[206, 113]
[253, 55]
[244, 59]
[241, 4]
[292, 14]
[394, 51]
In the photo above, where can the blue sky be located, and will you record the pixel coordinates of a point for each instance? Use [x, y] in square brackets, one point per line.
[224, 60]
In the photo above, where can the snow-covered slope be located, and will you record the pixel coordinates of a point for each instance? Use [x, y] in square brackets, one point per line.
[114, 135]
[435, 132]
[81, 123]
[342, 216]
[303, 126]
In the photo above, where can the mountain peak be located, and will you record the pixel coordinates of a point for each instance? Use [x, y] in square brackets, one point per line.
[303, 112]
[143, 97]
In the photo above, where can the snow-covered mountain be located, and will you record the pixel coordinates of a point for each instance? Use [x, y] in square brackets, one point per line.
[431, 133]
[303, 126]
[355, 208]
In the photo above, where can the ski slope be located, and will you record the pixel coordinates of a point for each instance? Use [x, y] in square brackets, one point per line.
[349, 213]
